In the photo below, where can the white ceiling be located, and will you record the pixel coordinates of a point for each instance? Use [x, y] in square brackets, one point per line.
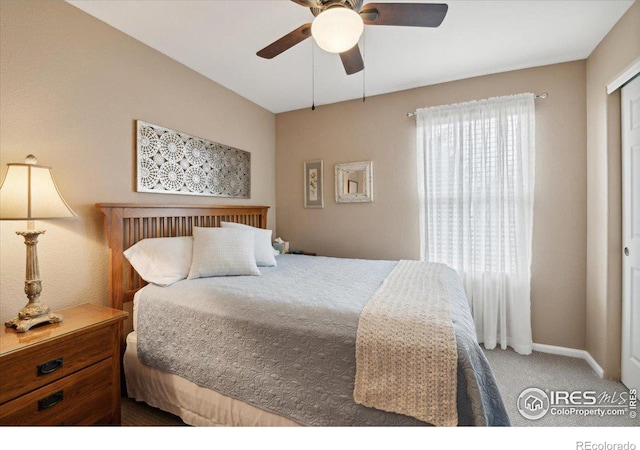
[219, 39]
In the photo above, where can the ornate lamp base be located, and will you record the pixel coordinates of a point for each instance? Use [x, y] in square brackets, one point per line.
[35, 312]
[23, 324]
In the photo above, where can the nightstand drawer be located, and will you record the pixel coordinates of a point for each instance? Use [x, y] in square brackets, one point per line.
[35, 367]
[85, 397]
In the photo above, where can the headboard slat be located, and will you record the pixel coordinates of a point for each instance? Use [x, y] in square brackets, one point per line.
[126, 224]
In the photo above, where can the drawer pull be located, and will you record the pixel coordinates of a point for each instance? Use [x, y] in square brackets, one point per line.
[49, 366]
[50, 401]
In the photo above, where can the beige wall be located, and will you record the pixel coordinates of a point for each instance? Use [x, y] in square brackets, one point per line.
[379, 130]
[71, 89]
[619, 49]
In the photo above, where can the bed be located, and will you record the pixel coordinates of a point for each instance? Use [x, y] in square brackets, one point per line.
[272, 350]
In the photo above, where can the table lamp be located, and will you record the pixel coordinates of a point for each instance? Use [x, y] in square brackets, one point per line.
[29, 193]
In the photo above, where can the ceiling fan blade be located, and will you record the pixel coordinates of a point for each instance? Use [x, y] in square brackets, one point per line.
[286, 42]
[307, 3]
[404, 14]
[352, 60]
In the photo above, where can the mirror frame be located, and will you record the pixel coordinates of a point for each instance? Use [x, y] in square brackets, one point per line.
[364, 197]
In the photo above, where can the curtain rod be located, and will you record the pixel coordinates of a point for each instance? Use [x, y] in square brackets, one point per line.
[543, 95]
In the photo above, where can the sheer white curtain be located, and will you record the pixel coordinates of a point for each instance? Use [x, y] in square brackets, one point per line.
[476, 181]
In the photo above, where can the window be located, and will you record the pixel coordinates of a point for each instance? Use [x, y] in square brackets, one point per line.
[476, 179]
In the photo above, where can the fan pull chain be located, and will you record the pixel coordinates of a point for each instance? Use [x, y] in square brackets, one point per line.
[313, 77]
[364, 59]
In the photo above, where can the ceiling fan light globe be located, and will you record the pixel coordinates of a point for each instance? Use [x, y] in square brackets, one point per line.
[337, 30]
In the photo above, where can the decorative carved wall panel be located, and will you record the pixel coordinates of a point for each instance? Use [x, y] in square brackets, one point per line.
[170, 162]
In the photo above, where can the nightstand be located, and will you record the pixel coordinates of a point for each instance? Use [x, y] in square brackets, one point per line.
[65, 373]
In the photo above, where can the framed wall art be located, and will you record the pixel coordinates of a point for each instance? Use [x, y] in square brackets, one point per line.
[170, 162]
[313, 184]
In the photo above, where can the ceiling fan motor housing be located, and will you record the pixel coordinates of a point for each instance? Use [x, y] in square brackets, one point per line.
[326, 4]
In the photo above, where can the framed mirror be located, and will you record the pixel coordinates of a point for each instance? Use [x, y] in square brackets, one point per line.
[354, 182]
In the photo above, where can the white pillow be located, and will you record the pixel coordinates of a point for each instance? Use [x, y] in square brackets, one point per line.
[263, 248]
[161, 261]
[221, 252]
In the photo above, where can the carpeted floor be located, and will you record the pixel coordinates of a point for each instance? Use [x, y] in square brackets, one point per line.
[139, 414]
[514, 373]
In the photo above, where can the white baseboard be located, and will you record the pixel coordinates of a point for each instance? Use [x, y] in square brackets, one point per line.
[573, 353]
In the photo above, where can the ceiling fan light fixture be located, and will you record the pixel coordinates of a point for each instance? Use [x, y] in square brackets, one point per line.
[337, 29]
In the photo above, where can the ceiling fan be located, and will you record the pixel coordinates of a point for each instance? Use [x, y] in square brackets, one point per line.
[338, 25]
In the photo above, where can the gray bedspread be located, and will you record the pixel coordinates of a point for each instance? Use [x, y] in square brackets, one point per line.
[285, 341]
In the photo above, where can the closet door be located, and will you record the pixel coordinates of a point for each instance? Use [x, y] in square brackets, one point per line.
[631, 234]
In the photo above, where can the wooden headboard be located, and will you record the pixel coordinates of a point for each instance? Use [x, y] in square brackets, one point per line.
[126, 224]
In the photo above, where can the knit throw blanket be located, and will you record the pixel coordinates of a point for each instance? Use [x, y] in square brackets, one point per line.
[406, 357]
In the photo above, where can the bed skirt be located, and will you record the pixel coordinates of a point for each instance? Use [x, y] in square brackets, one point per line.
[195, 405]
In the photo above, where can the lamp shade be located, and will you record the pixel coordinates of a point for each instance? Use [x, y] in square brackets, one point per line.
[337, 29]
[29, 192]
